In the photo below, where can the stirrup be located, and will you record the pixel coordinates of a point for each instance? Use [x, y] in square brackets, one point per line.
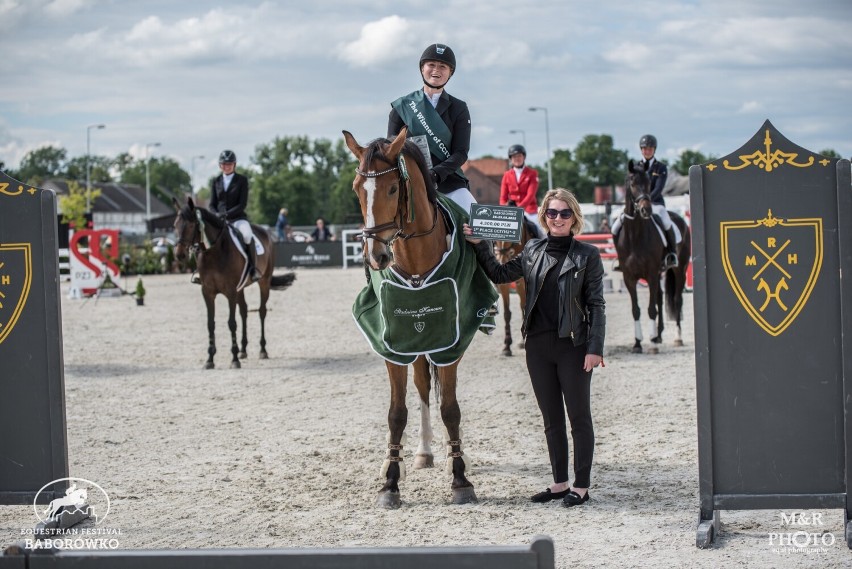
[670, 262]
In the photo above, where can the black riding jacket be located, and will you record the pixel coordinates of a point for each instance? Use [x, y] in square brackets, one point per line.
[581, 302]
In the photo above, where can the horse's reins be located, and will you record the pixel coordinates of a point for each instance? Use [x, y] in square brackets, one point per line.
[405, 182]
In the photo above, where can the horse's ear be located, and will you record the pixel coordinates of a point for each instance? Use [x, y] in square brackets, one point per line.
[647, 166]
[176, 204]
[631, 166]
[398, 142]
[353, 145]
[190, 203]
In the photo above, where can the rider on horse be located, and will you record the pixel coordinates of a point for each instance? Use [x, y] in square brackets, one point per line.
[228, 199]
[658, 173]
[520, 185]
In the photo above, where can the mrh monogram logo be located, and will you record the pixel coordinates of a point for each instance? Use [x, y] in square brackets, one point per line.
[15, 280]
[772, 265]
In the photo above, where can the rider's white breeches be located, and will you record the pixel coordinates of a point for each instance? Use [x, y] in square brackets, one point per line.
[244, 227]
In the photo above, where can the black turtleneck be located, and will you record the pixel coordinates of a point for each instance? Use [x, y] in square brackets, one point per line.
[545, 315]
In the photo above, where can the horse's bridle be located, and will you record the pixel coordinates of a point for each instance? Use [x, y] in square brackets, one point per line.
[404, 180]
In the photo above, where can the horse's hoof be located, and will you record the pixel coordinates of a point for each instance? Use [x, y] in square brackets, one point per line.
[522, 346]
[507, 351]
[637, 349]
[653, 350]
[242, 355]
[209, 365]
[678, 343]
[264, 356]
[236, 364]
[423, 461]
[388, 500]
[464, 495]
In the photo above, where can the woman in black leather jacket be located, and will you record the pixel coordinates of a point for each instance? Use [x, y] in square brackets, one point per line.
[564, 326]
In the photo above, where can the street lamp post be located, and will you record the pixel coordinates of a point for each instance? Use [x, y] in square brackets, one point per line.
[192, 193]
[88, 167]
[148, 179]
[547, 134]
[523, 135]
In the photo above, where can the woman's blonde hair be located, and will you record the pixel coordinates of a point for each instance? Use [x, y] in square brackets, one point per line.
[568, 197]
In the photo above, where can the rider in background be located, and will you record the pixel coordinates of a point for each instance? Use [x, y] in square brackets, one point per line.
[520, 185]
[657, 172]
[228, 199]
[448, 120]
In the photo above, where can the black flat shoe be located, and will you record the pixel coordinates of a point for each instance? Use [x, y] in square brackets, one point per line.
[547, 496]
[573, 499]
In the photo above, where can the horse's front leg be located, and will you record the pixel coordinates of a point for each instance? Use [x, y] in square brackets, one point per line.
[393, 468]
[507, 318]
[210, 301]
[232, 326]
[241, 302]
[630, 284]
[457, 462]
[424, 458]
[653, 313]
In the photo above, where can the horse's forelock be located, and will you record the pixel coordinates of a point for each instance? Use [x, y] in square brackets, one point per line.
[375, 152]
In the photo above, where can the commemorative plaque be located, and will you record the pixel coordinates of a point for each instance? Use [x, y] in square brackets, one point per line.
[497, 222]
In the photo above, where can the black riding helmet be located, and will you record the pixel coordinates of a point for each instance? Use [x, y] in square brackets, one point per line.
[439, 52]
[227, 156]
[648, 140]
[517, 149]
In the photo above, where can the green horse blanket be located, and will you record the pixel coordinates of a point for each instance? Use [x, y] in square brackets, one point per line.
[437, 319]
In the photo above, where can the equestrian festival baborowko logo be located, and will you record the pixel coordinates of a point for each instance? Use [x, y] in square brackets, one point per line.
[83, 498]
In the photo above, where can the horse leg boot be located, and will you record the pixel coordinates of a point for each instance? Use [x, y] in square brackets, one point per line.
[670, 261]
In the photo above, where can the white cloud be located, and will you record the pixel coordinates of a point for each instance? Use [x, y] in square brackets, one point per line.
[65, 8]
[630, 54]
[379, 42]
[750, 107]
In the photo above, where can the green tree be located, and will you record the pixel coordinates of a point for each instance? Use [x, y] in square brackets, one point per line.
[73, 204]
[600, 164]
[689, 157]
[99, 167]
[830, 153]
[565, 171]
[167, 177]
[41, 164]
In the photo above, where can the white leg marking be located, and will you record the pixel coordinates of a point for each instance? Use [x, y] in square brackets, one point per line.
[637, 329]
[426, 435]
[652, 329]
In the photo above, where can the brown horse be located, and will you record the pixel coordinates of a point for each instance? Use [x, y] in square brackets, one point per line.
[505, 251]
[391, 186]
[220, 267]
[640, 254]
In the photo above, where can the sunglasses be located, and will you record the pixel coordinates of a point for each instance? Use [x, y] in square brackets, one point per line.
[563, 213]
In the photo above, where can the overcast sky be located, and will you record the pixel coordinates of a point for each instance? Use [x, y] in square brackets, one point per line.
[199, 77]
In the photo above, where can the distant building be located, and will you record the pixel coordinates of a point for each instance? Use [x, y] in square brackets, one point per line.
[485, 175]
[122, 207]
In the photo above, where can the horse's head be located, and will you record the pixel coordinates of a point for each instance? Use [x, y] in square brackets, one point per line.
[383, 188]
[639, 188]
[186, 228]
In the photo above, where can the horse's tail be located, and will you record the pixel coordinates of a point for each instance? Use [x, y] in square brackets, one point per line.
[675, 279]
[280, 282]
[437, 380]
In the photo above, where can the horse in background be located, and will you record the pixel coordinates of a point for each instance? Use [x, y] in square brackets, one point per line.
[221, 268]
[505, 251]
[640, 251]
[391, 185]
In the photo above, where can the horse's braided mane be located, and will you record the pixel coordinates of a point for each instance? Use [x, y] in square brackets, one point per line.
[409, 149]
[188, 214]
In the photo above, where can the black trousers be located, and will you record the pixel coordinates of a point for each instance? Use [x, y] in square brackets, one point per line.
[556, 370]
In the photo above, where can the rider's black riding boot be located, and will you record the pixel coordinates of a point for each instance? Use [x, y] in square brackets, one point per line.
[670, 262]
[254, 274]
